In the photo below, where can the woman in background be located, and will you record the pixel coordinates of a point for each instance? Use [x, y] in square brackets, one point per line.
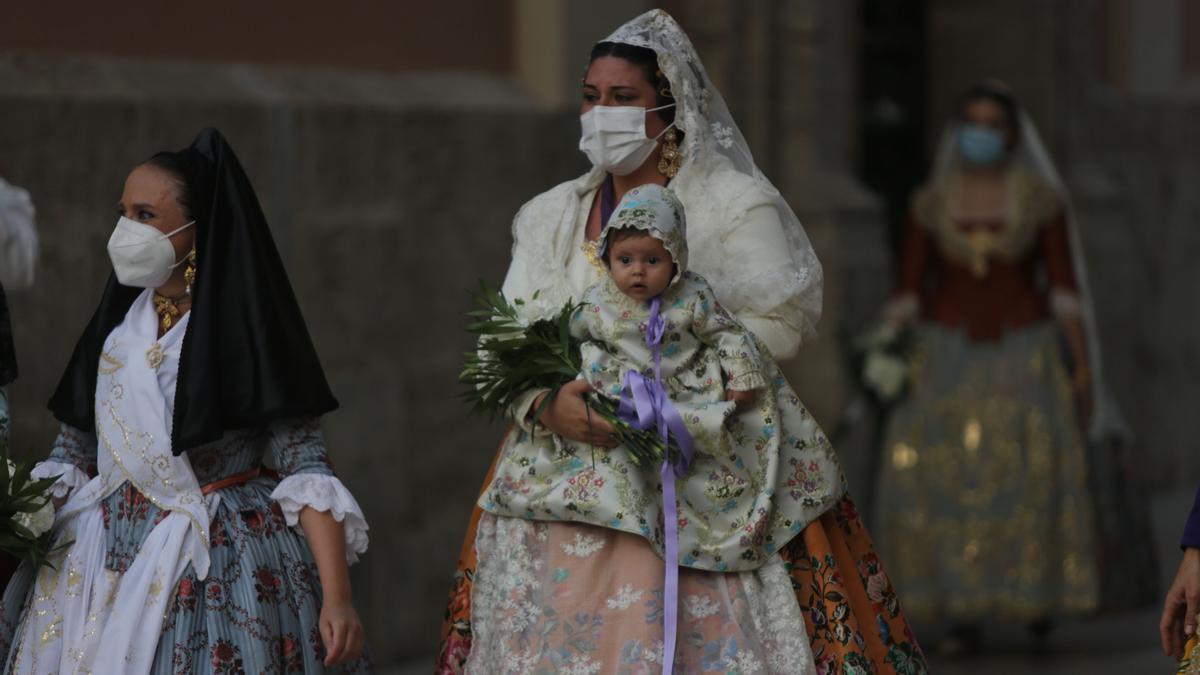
[985, 508]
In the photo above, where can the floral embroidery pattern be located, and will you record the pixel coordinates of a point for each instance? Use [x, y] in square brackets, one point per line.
[723, 135]
[852, 621]
[700, 606]
[528, 621]
[735, 510]
[625, 598]
[584, 546]
[227, 658]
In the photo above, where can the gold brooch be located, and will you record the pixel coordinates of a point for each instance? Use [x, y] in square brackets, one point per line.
[154, 356]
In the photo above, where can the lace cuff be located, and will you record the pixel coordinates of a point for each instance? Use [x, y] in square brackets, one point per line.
[70, 478]
[1064, 303]
[324, 493]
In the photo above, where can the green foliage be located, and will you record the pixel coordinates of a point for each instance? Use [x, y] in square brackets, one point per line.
[513, 358]
[19, 494]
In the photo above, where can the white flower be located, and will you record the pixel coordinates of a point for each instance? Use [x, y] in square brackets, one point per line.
[879, 337]
[885, 374]
[624, 598]
[583, 547]
[723, 135]
[582, 664]
[654, 653]
[524, 615]
[39, 522]
[700, 606]
[747, 663]
[520, 663]
[877, 587]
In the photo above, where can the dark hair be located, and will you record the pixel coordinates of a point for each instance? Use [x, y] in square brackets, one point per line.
[996, 92]
[620, 234]
[647, 61]
[172, 164]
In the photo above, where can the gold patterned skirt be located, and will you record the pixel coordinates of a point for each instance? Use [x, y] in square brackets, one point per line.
[983, 506]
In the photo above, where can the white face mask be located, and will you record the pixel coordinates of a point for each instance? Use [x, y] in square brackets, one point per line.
[614, 137]
[141, 255]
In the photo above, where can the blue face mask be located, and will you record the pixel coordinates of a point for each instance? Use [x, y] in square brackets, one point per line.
[979, 145]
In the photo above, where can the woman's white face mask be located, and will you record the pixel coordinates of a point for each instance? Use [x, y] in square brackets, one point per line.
[141, 255]
[614, 137]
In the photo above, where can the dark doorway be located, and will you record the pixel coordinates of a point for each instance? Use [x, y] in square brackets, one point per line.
[892, 158]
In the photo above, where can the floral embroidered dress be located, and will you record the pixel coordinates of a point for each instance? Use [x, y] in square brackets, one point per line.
[556, 596]
[159, 574]
[759, 475]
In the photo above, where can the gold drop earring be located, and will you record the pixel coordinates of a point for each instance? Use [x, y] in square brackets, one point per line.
[189, 274]
[671, 157]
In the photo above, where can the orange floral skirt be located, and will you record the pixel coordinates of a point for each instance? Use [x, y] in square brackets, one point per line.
[1190, 665]
[851, 612]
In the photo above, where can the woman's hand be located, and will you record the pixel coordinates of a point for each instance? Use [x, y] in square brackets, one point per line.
[741, 398]
[341, 629]
[342, 632]
[1181, 605]
[568, 416]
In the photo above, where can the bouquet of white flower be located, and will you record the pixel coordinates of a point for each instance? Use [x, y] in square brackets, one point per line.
[883, 357]
[26, 510]
[514, 356]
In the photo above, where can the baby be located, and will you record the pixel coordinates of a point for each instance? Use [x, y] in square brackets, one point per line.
[761, 469]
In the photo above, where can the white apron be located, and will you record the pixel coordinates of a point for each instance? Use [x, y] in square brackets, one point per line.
[83, 617]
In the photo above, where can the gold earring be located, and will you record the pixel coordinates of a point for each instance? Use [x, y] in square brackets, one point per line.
[189, 274]
[671, 157]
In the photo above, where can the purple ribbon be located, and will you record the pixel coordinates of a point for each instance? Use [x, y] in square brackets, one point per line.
[644, 405]
[608, 199]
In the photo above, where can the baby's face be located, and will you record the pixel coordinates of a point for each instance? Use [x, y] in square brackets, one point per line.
[641, 266]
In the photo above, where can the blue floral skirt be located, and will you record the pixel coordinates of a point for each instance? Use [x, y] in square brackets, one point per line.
[256, 612]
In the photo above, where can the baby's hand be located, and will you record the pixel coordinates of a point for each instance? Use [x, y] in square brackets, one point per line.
[741, 398]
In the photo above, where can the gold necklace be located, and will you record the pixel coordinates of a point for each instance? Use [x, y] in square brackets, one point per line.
[591, 250]
[167, 309]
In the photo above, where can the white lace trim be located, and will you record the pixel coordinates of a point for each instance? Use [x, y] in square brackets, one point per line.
[324, 493]
[1065, 303]
[70, 478]
[516, 610]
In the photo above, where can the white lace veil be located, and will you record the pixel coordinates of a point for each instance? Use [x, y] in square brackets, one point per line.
[1030, 153]
[713, 147]
[18, 237]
